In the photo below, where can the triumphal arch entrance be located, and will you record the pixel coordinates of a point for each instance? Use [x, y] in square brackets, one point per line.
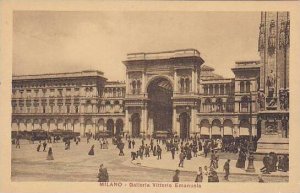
[162, 92]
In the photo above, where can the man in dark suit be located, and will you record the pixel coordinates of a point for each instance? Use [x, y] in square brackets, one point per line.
[176, 176]
[226, 169]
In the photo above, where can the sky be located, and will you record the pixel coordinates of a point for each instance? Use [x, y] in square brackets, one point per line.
[53, 42]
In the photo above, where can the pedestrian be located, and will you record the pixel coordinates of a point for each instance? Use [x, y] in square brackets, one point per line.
[213, 175]
[154, 151]
[50, 153]
[133, 143]
[121, 147]
[176, 176]
[199, 176]
[101, 143]
[181, 159]
[129, 144]
[226, 169]
[266, 168]
[159, 150]
[39, 146]
[103, 174]
[18, 143]
[147, 151]
[91, 152]
[195, 151]
[173, 151]
[44, 145]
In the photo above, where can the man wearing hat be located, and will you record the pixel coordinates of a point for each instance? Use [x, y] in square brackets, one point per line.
[176, 176]
[226, 169]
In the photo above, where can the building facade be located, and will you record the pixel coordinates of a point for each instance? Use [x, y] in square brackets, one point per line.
[164, 91]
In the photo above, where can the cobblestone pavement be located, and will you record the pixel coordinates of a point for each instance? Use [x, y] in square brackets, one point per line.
[76, 165]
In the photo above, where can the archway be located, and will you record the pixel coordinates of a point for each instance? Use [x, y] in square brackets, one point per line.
[160, 93]
[204, 128]
[216, 128]
[228, 128]
[244, 128]
[52, 125]
[136, 125]
[110, 126]
[100, 125]
[119, 127]
[76, 126]
[88, 126]
[184, 120]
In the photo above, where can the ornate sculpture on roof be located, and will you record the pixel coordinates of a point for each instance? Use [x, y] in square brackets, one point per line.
[284, 99]
[272, 38]
[261, 39]
[284, 35]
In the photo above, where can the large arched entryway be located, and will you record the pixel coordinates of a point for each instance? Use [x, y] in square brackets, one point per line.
[160, 93]
[119, 127]
[136, 125]
[184, 120]
[110, 126]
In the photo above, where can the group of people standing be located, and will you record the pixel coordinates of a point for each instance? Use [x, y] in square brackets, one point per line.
[272, 163]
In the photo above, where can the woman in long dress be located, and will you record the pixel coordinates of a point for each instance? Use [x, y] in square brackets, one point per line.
[91, 152]
[199, 176]
[50, 153]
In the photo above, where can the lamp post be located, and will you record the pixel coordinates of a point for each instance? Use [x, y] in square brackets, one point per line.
[250, 167]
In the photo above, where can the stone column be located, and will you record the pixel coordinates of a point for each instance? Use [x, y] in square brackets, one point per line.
[126, 121]
[146, 121]
[175, 82]
[142, 120]
[210, 131]
[193, 120]
[127, 83]
[143, 83]
[174, 120]
[193, 81]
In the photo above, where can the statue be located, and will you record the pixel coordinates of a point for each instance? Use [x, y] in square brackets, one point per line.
[284, 99]
[282, 40]
[270, 84]
[272, 38]
[261, 100]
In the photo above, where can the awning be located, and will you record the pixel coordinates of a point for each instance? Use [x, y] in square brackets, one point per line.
[204, 131]
[216, 130]
[227, 130]
[244, 131]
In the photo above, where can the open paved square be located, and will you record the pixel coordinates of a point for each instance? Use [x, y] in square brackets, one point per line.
[76, 165]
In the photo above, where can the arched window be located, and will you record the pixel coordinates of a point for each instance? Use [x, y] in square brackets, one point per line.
[133, 87]
[227, 89]
[211, 89]
[222, 89]
[230, 104]
[242, 87]
[217, 89]
[138, 85]
[187, 85]
[207, 105]
[219, 105]
[248, 86]
[205, 89]
[182, 87]
[244, 104]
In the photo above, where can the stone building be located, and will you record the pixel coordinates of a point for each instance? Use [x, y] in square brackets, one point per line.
[168, 91]
[81, 101]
